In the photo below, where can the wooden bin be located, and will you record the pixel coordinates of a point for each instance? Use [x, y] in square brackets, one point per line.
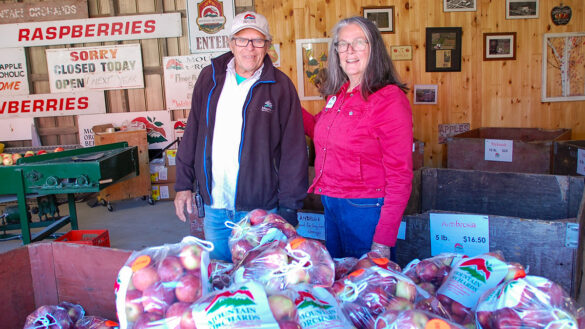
[566, 157]
[533, 218]
[532, 149]
[139, 186]
[47, 273]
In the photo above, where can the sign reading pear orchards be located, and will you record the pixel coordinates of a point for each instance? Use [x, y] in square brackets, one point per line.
[91, 30]
[47, 105]
[95, 68]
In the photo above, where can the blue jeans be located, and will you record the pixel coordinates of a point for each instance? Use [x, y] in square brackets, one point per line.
[216, 231]
[350, 225]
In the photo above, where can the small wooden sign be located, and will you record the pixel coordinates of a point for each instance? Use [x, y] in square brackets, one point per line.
[451, 129]
[19, 12]
[401, 53]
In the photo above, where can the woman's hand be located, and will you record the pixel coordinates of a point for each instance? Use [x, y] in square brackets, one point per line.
[382, 249]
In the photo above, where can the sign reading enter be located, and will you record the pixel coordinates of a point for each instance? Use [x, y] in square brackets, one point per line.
[95, 68]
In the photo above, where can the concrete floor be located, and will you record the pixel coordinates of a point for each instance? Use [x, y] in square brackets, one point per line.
[132, 225]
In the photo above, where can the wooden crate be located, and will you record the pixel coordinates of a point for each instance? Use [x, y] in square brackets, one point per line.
[530, 216]
[566, 156]
[46, 273]
[532, 149]
[138, 186]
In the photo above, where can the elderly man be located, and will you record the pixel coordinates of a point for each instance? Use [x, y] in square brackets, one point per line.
[244, 146]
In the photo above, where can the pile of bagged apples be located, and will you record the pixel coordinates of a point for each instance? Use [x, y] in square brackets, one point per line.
[9, 159]
[280, 280]
[65, 315]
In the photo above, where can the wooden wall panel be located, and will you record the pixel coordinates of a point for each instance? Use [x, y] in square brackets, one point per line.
[484, 93]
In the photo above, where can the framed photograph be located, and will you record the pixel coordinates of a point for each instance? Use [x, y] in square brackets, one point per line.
[518, 9]
[459, 5]
[401, 53]
[425, 94]
[383, 17]
[443, 49]
[563, 69]
[499, 46]
[311, 60]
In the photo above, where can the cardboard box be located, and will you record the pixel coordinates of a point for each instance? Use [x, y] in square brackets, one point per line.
[163, 191]
[533, 219]
[46, 273]
[170, 156]
[527, 150]
[161, 174]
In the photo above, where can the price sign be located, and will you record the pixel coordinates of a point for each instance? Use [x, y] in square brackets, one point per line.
[581, 162]
[498, 150]
[460, 233]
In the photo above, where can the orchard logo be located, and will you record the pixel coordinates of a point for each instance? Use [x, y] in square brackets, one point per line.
[211, 19]
[174, 64]
[458, 248]
[155, 132]
[237, 298]
[306, 299]
[478, 268]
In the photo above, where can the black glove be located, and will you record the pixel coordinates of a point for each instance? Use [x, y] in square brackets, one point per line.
[290, 215]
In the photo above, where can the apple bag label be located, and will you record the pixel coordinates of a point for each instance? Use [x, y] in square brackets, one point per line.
[317, 308]
[472, 277]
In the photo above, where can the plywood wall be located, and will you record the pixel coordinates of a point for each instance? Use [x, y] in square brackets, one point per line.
[484, 93]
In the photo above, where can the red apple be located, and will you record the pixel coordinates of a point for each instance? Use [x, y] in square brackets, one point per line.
[15, 157]
[190, 256]
[413, 319]
[7, 161]
[170, 269]
[406, 290]
[144, 278]
[506, 318]
[40, 152]
[179, 316]
[399, 304]
[484, 319]
[58, 149]
[133, 305]
[289, 324]
[46, 315]
[459, 309]
[29, 154]
[157, 298]
[149, 321]
[239, 250]
[188, 288]
[385, 320]
[282, 307]
[75, 311]
[427, 270]
[256, 216]
[428, 287]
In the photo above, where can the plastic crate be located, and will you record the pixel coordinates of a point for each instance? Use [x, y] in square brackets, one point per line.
[90, 237]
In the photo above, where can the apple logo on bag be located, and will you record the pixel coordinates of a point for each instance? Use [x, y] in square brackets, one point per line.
[561, 15]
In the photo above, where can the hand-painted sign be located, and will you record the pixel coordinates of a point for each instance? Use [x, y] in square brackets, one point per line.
[91, 30]
[95, 68]
[209, 24]
[48, 105]
[181, 73]
[157, 124]
[18, 12]
[13, 74]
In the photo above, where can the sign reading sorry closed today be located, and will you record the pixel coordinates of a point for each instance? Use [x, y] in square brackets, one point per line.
[95, 68]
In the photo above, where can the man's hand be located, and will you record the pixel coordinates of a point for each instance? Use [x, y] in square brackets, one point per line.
[181, 199]
[382, 249]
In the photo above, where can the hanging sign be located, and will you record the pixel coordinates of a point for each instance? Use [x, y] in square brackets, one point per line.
[181, 73]
[209, 25]
[13, 73]
[18, 12]
[48, 105]
[159, 130]
[89, 30]
[95, 68]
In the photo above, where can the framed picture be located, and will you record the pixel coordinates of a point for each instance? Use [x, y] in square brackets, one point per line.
[383, 17]
[459, 5]
[243, 5]
[563, 67]
[311, 60]
[499, 46]
[443, 49]
[401, 53]
[518, 9]
[425, 94]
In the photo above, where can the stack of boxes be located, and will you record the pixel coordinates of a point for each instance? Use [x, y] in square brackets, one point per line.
[163, 174]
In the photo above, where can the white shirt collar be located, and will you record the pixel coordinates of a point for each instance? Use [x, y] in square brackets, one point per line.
[231, 68]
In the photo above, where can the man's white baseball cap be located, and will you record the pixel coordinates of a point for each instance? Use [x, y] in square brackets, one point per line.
[250, 20]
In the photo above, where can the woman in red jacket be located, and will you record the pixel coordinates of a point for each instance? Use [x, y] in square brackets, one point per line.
[363, 143]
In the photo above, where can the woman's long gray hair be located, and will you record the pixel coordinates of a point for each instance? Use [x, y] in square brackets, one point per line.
[379, 71]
